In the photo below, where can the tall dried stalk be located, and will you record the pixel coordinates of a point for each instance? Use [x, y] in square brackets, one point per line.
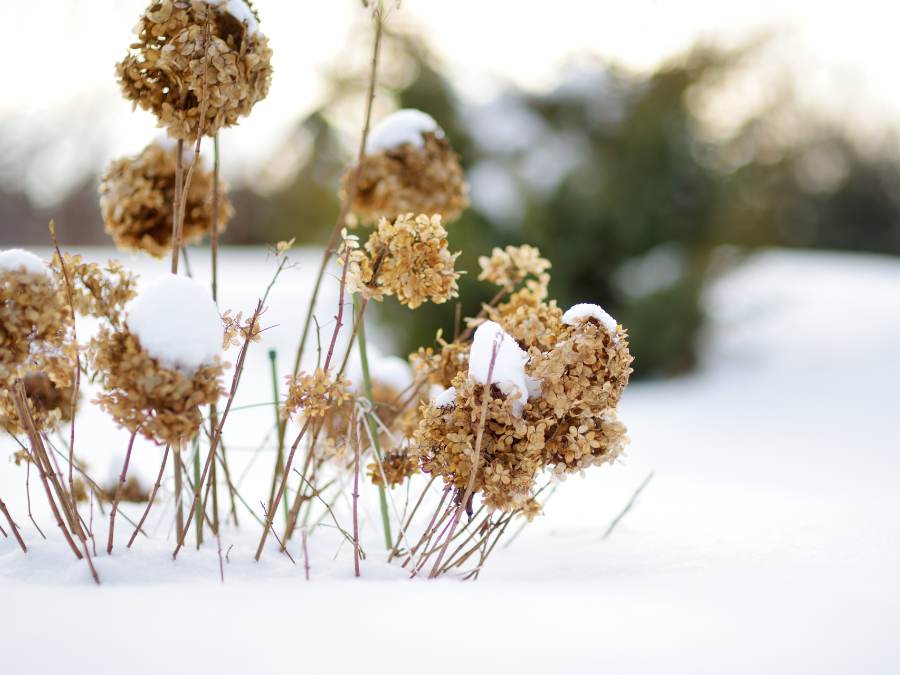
[238, 370]
[140, 525]
[13, 526]
[478, 439]
[119, 490]
[354, 441]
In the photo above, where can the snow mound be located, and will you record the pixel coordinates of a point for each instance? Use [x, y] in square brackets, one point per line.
[391, 371]
[177, 323]
[401, 127]
[240, 10]
[509, 366]
[445, 398]
[15, 259]
[584, 310]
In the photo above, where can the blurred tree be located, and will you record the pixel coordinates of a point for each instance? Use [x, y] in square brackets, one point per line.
[610, 175]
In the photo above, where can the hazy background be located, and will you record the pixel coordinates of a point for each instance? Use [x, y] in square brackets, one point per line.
[645, 147]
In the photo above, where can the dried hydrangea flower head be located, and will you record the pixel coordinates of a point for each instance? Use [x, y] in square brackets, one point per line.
[137, 195]
[509, 267]
[511, 454]
[395, 467]
[583, 377]
[32, 309]
[36, 345]
[196, 58]
[409, 166]
[408, 258]
[101, 293]
[314, 394]
[163, 364]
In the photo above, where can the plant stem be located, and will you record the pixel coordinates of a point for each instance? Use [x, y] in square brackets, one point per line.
[140, 525]
[12, 524]
[279, 424]
[179, 505]
[354, 440]
[119, 490]
[373, 429]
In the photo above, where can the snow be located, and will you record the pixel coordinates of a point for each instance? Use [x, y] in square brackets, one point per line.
[402, 127]
[241, 11]
[177, 322]
[388, 371]
[15, 259]
[585, 310]
[767, 540]
[391, 371]
[509, 366]
[444, 398]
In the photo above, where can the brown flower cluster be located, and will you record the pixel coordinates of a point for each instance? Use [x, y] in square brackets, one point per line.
[37, 339]
[97, 292]
[238, 330]
[583, 367]
[509, 267]
[195, 64]
[407, 258]
[36, 347]
[137, 196]
[407, 179]
[397, 465]
[314, 394]
[163, 404]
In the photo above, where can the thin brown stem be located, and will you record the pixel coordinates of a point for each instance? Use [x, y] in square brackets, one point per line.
[354, 440]
[140, 525]
[239, 367]
[14, 527]
[486, 393]
[119, 490]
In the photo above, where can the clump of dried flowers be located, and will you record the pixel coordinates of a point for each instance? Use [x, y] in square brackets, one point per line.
[197, 63]
[408, 258]
[163, 404]
[314, 394]
[137, 197]
[143, 392]
[415, 172]
[582, 364]
[37, 339]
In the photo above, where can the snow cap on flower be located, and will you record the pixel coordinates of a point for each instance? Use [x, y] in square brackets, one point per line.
[177, 323]
[584, 311]
[20, 260]
[407, 126]
[508, 372]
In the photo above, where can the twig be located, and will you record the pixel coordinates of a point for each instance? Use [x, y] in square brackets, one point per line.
[239, 367]
[354, 441]
[12, 525]
[119, 490]
[486, 394]
[140, 525]
[305, 553]
[628, 506]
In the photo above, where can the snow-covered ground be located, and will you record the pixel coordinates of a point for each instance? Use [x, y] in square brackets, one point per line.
[766, 542]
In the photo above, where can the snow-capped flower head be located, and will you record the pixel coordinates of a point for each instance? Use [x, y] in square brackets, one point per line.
[408, 258]
[408, 166]
[137, 195]
[197, 58]
[163, 363]
[583, 377]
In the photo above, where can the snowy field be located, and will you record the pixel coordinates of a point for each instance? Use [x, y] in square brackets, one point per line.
[767, 541]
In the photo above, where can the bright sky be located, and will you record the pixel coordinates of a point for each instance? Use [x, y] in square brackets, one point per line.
[58, 59]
